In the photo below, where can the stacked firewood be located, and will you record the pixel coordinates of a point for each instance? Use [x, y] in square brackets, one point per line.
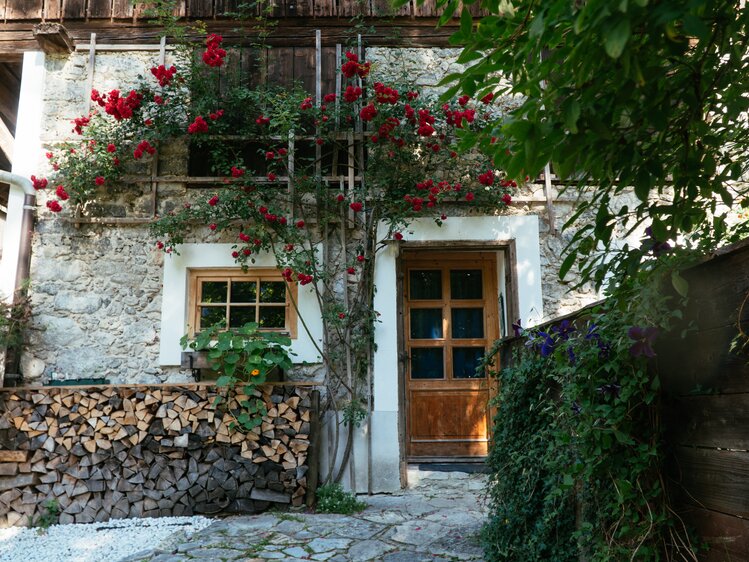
[125, 451]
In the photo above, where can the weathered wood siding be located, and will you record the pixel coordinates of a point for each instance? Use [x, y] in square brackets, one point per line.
[706, 413]
[17, 10]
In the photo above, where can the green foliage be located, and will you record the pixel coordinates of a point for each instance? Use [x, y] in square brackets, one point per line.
[49, 517]
[577, 454]
[243, 358]
[648, 95]
[15, 319]
[332, 498]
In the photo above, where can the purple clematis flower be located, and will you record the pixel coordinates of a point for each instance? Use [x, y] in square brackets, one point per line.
[612, 388]
[547, 344]
[651, 244]
[576, 408]
[644, 339]
[565, 328]
[517, 328]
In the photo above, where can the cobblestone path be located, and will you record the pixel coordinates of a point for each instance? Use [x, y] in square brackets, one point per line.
[437, 519]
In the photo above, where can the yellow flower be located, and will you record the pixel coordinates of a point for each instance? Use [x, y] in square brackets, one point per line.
[255, 372]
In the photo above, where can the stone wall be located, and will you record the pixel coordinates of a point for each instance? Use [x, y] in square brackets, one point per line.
[123, 451]
[96, 290]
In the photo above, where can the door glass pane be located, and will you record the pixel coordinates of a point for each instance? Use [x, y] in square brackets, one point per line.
[210, 315]
[426, 323]
[426, 363]
[272, 291]
[272, 316]
[241, 315]
[213, 291]
[467, 323]
[465, 361]
[425, 284]
[465, 284]
[243, 291]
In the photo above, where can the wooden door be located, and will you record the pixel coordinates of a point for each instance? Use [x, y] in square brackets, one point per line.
[451, 318]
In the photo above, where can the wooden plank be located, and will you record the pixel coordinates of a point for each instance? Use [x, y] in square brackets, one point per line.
[122, 9]
[384, 8]
[200, 8]
[323, 8]
[726, 536]
[74, 9]
[10, 88]
[224, 7]
[52, 9]
[13, 456]
[710, 421]
[702, 363]
[6, 141]
[281, 66]
[305, 68]
[99, 8]
[251, 67]
[23, 9]
[713, 479]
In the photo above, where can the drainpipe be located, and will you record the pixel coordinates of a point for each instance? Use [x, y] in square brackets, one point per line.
[27, 225]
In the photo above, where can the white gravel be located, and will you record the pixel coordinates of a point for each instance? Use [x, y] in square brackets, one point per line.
[95, 542]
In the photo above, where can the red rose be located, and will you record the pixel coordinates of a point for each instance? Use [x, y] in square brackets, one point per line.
[351, 270]
[39, 183]
[488, 98]
[160, 245]
[235, 255]
[356, 206]
[341, 315]
[99, 180]
[306, 104]
[213, 201]
[212, 226]
[111, 148]
[54, 206]
[463, 100]
[329, 98]
[300, 224]
[198, 126]
[360, 258]
[506, 199]
[237, 172]
[398, 236]
[282, 152]
[469, 196]
[61, 193]
[246, 251]
[368, 112]
[271, 177]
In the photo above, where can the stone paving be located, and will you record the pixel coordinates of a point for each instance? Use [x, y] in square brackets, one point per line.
[437, 519]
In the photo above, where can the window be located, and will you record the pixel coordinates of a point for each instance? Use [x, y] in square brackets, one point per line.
[236, 298]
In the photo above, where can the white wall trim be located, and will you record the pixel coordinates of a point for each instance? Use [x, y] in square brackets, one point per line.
[174, 311]
[27, 152]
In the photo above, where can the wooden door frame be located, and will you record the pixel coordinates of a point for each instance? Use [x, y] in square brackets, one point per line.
[505, 249]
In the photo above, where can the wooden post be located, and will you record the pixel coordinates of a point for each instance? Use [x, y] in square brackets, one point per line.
[91, 64]
[313, 459]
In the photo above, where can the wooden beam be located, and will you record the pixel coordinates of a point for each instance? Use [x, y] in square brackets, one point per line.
[53, 38]
[6, 141]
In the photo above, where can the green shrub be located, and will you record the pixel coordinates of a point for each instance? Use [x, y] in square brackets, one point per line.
[331, 498]
[577, 458]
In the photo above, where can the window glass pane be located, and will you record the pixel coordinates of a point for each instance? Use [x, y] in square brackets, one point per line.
[465, 361]
[272, 291]
[243, 291]
[272, 317]
[426, 363]
[468, 323]
[241, 315]
[465, 284]
[210, 315]
[426, 323]
[425, 284]
[213, 291]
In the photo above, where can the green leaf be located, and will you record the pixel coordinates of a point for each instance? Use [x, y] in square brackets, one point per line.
[466, 22]
[223, 380]
[571, 115]
[680, 284]
[616, 38]
[567, 263]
